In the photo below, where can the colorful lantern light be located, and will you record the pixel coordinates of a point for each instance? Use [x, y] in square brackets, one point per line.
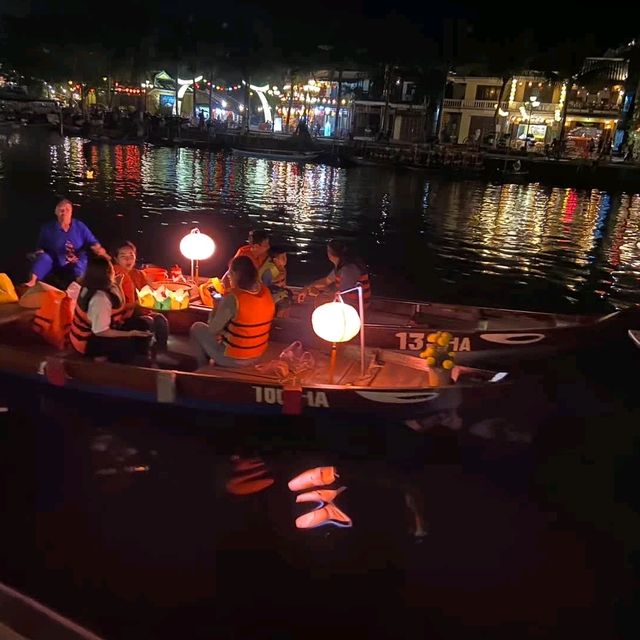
[335, 322]
[196, 246]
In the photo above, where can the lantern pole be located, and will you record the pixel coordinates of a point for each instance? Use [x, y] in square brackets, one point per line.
[357, 288]
[332, 363]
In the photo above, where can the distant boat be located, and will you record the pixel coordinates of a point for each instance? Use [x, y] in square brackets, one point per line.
[277, 154]
[361, 161]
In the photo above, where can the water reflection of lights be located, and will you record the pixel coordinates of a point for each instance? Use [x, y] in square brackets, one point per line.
[468, 232]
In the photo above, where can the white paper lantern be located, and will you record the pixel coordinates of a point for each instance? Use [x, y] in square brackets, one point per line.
[197, 246]
[335, 322]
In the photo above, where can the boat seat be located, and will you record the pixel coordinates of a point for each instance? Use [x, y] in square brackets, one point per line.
[345, 369]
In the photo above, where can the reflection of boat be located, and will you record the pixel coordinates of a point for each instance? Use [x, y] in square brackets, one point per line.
[394, 385]
[277, 154]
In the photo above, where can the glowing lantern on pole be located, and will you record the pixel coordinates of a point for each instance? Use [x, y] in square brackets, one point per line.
[335, 322]
[196, 246]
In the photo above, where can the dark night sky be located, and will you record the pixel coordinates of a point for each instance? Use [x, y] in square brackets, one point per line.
[495, 20]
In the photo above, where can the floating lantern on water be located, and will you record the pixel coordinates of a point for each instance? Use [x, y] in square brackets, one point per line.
[337, 322]
[196, 246]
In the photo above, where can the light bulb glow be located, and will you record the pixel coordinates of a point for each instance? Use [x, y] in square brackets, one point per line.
[335, 322]
[197, 246]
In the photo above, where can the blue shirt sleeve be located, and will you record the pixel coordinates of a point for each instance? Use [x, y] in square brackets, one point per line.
[267, 277]
[88, 239]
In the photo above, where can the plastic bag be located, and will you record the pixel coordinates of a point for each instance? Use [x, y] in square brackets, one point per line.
[297, 358]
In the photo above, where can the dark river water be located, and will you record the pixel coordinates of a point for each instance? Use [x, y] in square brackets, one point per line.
[524, 246]
[125, 518]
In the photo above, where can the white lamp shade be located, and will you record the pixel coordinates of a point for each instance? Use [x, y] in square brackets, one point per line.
[335, 322]
[197, 246]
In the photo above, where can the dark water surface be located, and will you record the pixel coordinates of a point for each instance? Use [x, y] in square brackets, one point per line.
[120, 516]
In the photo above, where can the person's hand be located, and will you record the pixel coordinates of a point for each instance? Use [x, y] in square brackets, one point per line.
[99, 250]
[140, 334]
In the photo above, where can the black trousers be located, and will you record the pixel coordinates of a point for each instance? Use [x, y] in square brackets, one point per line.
[122, 350]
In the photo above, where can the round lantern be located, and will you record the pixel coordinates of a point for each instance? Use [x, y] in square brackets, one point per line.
[335, 322]
[197, 246]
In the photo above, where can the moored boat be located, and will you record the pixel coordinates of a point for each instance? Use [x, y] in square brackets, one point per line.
[277, 154]
[481, 332]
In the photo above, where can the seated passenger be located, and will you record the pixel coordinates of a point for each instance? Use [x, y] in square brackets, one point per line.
[96, 329]
[132, 279]
[238, 330]
[62, 249]
[273, 274]
[256, 249]
[348, 271]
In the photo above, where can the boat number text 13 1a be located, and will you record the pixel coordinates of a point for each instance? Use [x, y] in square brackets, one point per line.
[418, 341]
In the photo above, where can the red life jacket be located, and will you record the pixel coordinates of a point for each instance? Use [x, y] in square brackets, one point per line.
[81, 325]
[247, 335]
[352, 298]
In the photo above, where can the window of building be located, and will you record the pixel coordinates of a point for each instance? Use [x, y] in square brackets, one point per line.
[487, 92]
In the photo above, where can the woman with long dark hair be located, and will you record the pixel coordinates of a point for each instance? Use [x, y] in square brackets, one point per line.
[237, 333]
[99, 313]
[348, 271]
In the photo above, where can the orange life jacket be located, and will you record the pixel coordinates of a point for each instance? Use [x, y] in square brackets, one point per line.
[246, 250]
[131, 280]
[53, 319]
[352, 298]
[247, 335]
[81, 325]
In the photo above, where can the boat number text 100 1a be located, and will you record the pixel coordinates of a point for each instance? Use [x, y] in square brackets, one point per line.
[273, 395]
[417, 341]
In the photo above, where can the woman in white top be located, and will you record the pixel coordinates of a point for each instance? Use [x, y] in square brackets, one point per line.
[99, 313]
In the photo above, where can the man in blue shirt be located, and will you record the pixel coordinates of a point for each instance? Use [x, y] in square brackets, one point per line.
[62, 248]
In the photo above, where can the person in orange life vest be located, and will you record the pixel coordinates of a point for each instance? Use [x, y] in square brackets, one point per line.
[62, 248]
[238, 330]
[125, 265]
[257, 249]
[348, 271]
[96, 329]
[273, 274]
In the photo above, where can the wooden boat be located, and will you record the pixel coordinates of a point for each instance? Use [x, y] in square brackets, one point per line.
[277, 154]
[394, 387]
[479, 333]
[23, 617]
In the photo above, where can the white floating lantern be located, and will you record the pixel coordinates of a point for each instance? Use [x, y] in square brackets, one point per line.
[335, 322]
[196, 246]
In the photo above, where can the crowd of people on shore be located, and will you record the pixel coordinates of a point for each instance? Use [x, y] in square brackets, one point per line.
[108, 323]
